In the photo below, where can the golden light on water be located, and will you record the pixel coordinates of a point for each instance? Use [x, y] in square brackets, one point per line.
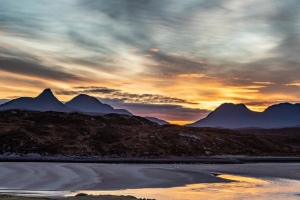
[241, 188]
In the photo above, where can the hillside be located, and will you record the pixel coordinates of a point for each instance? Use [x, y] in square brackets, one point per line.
[111, 135]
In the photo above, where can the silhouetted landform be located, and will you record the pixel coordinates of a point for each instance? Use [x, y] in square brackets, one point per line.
[114, 135]
[159, 121]
[235, 116]
[83, 103]
[91, 104]
[44, 102]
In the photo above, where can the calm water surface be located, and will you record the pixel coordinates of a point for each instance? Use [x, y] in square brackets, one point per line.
[242, 188]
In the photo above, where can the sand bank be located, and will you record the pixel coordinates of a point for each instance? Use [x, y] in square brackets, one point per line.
[81, 176]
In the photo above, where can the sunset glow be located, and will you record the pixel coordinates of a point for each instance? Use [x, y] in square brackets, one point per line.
[175, 60]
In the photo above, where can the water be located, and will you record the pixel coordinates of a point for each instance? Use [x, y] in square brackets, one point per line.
[242, 188]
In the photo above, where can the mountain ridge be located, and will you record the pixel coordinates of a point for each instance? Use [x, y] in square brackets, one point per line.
[91, 104]
[236, 116]
[46, 101]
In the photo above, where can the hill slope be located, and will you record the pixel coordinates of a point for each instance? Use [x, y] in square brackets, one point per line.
[125, 136]
[159, 121]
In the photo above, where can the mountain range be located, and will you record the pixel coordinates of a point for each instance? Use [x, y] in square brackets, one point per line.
[227, 115]
[236, 116]
[46, 101]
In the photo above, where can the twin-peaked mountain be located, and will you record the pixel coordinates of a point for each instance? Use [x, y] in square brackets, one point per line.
[46, 101]
[230, 115]
[90, 104]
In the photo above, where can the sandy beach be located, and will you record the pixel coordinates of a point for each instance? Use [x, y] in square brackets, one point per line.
[81, 176]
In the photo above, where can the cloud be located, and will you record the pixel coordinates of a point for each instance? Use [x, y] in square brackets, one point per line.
[204, 50]
[263, 83]
[170, 64]
[125, 97]
[294, 83]
[163, 111]
[30, 69]
[88, 90]
[154, 50]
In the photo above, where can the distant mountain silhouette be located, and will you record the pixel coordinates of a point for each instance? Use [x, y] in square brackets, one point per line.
[230, 115]
[159, 121]
[46, 101]
[91, 104]
[87, 103]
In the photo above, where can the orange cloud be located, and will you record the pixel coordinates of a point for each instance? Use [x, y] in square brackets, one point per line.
[191, 76]
[263, 83]
[133, 50]
[294, 83]
[175, 54]
[154, 50]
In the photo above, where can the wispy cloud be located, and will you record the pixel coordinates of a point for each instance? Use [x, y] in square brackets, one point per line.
[124, 96]
[204, 51]
[294, 83]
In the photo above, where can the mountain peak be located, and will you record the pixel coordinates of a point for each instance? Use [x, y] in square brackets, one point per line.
[230, 107]
[88, 103]
[45, 101]
[84, 98]
[46, 94]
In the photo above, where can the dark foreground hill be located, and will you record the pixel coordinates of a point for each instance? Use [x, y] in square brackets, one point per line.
[114, 135]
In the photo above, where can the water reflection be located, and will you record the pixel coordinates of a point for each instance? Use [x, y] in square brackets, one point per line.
[242, 188]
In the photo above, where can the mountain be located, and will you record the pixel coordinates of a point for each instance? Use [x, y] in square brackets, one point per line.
[91, 104]
[159, 121]
[87, 103]
[46, 101]
[230, 115]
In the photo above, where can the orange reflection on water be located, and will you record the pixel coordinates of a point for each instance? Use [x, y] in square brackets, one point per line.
[241, 188]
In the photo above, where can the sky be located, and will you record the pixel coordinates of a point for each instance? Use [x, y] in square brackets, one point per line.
[172, 59]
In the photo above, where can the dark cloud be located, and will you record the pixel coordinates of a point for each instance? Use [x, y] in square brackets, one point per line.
[139, 23]
[284, 24]
[88, 90]
[142, 104]
[37, 70]
[278, 70]
[125, 97]
[175, 64]
[162, 111]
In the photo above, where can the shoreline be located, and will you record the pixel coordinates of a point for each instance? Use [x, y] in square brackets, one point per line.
[225, 159]
[142, 180]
